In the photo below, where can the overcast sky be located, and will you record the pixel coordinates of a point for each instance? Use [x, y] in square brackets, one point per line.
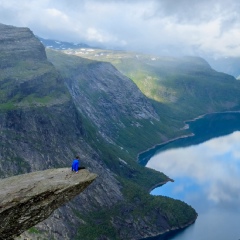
[188, 27]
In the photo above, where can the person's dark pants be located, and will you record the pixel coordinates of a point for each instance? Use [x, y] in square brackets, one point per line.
[81, 168]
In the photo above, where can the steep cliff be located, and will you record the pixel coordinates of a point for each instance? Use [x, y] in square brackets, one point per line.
[28, 199]
[19, 45]
[27, 78]
[112, 102]
[46, 117]
[182, 88]
[41, 127]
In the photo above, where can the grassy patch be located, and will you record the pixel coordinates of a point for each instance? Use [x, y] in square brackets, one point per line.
[34, 230]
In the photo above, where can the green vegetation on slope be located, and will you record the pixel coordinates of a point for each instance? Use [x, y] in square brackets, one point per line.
[129, 139]
[138, 134]
[139, 207]
[178, 89]
[182, 88]
[30, 84]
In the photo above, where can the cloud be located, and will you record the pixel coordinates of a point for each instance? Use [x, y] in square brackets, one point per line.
[183, 27]
[195, 12]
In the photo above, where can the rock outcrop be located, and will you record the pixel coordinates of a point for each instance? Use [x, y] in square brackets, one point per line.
[18, 44]
[30, 198]
[41, 128]
[49, 113]
[98, 90]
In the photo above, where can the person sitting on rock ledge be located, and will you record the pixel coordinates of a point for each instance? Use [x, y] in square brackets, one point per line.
[75, 165]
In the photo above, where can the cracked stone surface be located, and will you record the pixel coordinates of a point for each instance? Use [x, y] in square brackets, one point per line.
[28, 199]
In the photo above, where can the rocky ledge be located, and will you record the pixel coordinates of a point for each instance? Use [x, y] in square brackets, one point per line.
[28, 199]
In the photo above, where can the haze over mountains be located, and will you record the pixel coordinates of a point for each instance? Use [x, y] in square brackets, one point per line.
[48, 115]
[229, 65]
[106, 106]
[59, 45]
[178, 60]
[175, 28]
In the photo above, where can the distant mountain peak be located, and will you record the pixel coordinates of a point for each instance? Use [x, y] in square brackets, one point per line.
[60, 45]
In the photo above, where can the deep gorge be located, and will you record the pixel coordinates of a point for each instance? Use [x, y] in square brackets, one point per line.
[54, 105]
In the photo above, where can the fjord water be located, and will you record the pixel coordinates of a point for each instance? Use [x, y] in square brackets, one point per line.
[206, 172]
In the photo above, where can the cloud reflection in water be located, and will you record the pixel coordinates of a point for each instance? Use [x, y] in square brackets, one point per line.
[208, 172]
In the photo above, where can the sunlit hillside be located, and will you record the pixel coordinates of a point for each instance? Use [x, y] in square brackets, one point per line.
[187, 86]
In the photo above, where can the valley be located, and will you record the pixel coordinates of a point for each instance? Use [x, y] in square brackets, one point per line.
[107, 106]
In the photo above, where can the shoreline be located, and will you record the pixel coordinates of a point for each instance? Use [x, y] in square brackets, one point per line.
[171, 230]
[183, 136]
[160, 184]
[203, 115]
[186, 126]
[168, 141]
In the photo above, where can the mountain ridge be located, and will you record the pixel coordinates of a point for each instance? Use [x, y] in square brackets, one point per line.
[42, 133]
[172, 81]
[61, 45]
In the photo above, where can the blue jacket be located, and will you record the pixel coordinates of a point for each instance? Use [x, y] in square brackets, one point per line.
[75, 165]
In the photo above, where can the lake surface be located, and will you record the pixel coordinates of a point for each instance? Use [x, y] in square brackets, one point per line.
[206, 171]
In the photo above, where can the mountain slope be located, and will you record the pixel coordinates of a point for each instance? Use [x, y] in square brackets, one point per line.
[119, 114]
[44, 123]
[42, 128]
[99, 90]
[60, 45]
[182, 88]
[27, 78]
[228, 65]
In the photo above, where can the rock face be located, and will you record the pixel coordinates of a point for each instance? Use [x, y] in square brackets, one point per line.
[27, 77]
[17, 44]
[28, 199]
[98, 90]
[47, 117]
[41, 128]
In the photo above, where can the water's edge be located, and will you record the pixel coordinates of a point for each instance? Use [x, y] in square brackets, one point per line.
[183, 136]
[170, 232]
[175, 230]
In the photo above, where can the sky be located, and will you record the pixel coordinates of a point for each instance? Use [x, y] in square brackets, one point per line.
[164, 27]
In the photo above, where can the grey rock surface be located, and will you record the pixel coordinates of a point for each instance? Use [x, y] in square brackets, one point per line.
[100, 90]
[47, 117]
[17, 44]
[30, 198]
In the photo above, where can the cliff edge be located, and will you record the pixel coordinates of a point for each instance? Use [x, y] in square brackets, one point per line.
[28, 199]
